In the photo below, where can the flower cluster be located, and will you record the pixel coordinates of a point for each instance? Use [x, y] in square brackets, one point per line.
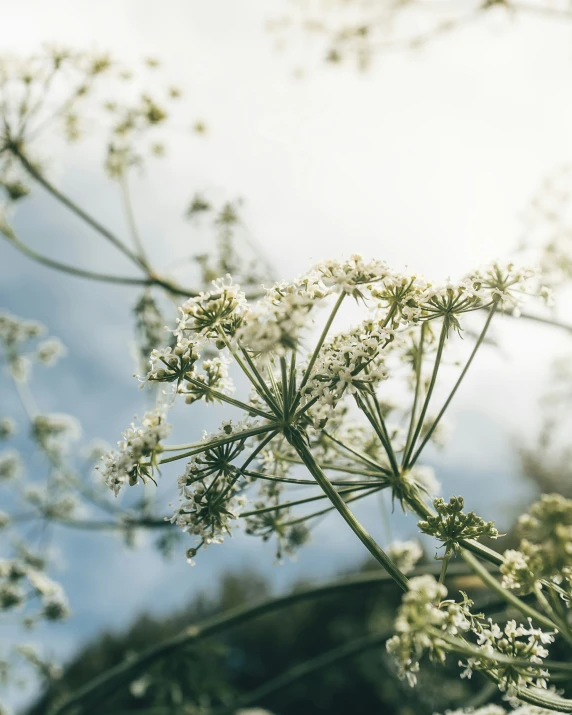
[276, 323]
[49, 351]
[498, 710]
[138, 452]
[545, 550]
[351, 276]
[349, 363]
[209, 501]
[290, 533]
[7, 427]
[217, 314]
[525, 648]
[200, 386]
[405, 554]
[15, 333]
[422, 615]
[10, 464]
[450, 525]
[426, 623]
[19, 581]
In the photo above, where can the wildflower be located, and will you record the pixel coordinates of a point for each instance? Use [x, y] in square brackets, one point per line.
[405, 554]
[275, 325]
[14, 331]
[516, 572]
[10, 464]
[289, 537]
[545, 548]
[214, 377]
[451, 524]
[173, 364]
[221, 309]
[516, 641]
[138, 452]
[50, 350]
[419, 615]
[7, 427]
[352, 275]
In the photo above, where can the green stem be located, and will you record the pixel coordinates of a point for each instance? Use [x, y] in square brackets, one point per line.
[444, 565]
[360, 455]
[456, 387]
[317, 349]
[328, 510]
[285, 390]
[206, 445]
[418, 373]
[72, 270]
[372, 546]
[135, 235]
[270, 398]
[307, 500]
[230, 400]
[381, 433]
[93, 223]
[312, 482]
[432, 382]
[68, 203]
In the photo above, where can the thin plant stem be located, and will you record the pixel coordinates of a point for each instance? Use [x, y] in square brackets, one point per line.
[427, 400]
[130, 213]
[72, 270]
[508, 596]
[418, 381]
[330, 509]
[285, 390]
[455, 388]
[360, 455]
[444, 565]
[383, 438]
[372, 546]
[307, 500]
[204, 446]
[317, 349]
[230, 400]
[270, 398]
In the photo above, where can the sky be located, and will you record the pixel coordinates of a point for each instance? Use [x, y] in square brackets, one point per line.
[427, 160]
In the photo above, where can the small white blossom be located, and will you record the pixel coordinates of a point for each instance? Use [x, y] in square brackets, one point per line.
[405, 554]
[50, 351]
[10, 464]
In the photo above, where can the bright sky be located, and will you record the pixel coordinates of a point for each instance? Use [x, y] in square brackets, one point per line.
[426, 160]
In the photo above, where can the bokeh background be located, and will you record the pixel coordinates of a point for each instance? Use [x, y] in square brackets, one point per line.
[427, 159]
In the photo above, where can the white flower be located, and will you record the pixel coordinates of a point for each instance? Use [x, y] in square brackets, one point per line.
[10, 464]
[138, 451]
[49, 351]
[7, 427]
[405, 554]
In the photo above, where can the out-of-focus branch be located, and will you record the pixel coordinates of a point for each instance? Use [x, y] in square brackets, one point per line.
[109, 682]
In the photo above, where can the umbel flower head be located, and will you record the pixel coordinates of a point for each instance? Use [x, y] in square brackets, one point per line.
[545, 550]
[451, 524]
[138, 452]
